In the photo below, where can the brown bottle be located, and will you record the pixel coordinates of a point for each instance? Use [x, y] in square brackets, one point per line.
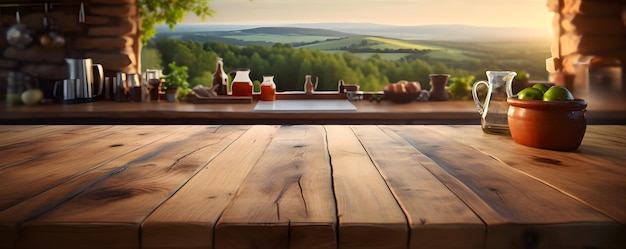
[220, 78]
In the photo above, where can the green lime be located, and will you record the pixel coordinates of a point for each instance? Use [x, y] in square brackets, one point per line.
[558, 93]
[530, 93]
[32, 96]
[542, 87]
[14, 98]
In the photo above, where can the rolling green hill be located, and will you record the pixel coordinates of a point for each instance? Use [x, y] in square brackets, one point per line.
[468, 55]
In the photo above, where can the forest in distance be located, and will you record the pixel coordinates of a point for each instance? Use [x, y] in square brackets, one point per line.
[369, 61]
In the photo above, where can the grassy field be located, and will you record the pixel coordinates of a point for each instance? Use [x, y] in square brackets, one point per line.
[293, 38]
[527, 55]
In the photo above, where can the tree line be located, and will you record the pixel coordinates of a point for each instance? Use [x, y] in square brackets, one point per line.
[289, 65]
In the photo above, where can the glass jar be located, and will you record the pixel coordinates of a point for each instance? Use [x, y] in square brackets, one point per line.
[268, 89]
[17, 83]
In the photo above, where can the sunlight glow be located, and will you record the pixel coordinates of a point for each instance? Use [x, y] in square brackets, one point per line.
[492, 13]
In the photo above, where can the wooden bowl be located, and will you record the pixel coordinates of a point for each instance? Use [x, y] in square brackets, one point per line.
[554, 125]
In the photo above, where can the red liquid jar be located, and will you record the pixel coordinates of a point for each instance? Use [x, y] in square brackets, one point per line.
[268, 89]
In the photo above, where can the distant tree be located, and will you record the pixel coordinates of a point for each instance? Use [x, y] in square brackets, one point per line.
[440, 68]
[184, 56]
[288, 65]
[151, 58]
[206, 79]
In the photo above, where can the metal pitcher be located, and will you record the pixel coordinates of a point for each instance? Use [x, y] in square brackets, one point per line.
[89, 77]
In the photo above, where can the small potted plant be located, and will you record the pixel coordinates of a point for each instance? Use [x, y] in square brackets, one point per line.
[175, 80]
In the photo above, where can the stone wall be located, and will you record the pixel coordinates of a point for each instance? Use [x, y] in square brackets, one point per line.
[589, 35]
[109, 35]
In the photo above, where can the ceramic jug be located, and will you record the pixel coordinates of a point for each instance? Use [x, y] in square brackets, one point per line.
[494, 108]
[438, 84]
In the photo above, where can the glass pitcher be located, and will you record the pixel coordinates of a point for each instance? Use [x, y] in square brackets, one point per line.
[494, 109]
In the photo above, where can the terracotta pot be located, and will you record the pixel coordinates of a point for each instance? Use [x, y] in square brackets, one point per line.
[554, 125]
[438, 84]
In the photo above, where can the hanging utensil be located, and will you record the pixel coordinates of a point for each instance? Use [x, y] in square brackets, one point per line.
[51, 37]
[81, 14]
[19, 35]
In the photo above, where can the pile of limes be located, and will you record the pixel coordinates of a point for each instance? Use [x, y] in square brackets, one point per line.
[546, 93]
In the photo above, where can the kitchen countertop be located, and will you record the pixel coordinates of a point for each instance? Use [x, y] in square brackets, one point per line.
[385, 112]
[306, 186]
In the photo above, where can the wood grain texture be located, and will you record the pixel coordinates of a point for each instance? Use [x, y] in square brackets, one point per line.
[526, 209]
[37, 142]
[46, 182]
[288, 192]
[596, 167]
[83, 149]
[262, 186]
[125, 192]
[607, 140]
[16, 133]
[187, 219]
[369, 215]
[437, 217]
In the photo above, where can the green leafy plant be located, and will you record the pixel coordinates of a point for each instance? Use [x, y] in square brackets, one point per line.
[176, 79]
[184, 94]
[460, 88]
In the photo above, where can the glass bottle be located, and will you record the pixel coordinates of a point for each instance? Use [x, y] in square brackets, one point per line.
[268, 89]
[242, 85]
[220, 78]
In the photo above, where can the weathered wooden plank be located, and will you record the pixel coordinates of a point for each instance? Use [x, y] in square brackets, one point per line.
[617, 131]
[107, 205]
[286, 200]
[44, 182]
[7, 130]
[596, 178]
[53, 167]
[18, 133]
[606, 141]
[42, 142]
[187, 219]
[521, 202]
[437, 217]
[369, 215]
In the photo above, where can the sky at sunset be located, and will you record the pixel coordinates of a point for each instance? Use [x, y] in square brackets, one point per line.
[494, 13]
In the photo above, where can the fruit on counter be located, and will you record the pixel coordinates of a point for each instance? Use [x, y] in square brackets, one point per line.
[403, 86]
[32, 96]
[558, 93]
[530, 93]
[14, 98]
[553, 93]
[542, 87]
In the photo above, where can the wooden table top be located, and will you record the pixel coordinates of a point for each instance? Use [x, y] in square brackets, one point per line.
[307, 186]
[385, 112]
